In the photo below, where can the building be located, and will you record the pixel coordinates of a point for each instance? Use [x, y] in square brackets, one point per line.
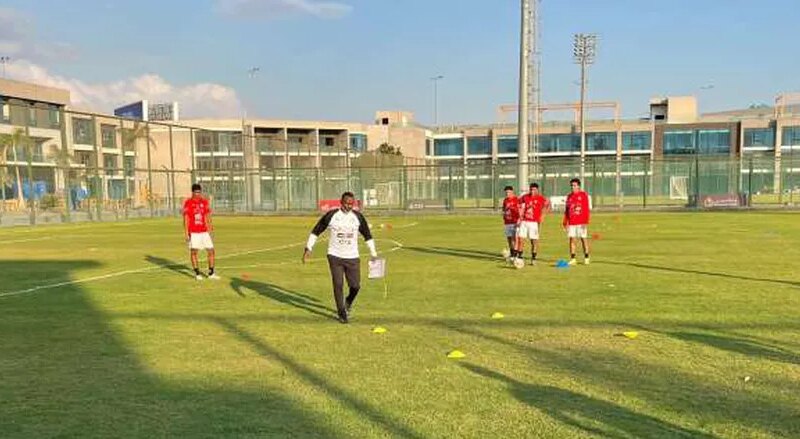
[80, 155]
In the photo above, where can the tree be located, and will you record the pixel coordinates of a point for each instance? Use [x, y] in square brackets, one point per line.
[386, 155]
[130, 137]
[14, 141]
[63, 160]
[5, 178]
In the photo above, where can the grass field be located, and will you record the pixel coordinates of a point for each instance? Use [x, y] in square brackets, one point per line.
[104, 334]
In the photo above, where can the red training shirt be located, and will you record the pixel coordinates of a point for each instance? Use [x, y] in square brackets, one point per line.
[196, 212]
[577, 211]
[511, 210]
[532, 207]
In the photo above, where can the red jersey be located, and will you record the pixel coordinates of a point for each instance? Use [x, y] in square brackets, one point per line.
[577, 211]
[511, 210]
[532, 207]
[196, 212]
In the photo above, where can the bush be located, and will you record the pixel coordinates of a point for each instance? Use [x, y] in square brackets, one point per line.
[49, 202]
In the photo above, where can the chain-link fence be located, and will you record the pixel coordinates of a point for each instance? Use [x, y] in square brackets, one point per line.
[65, 166]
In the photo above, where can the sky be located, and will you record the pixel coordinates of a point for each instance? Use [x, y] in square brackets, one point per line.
[344, 59]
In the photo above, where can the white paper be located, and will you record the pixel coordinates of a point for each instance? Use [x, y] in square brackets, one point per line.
[377, 268]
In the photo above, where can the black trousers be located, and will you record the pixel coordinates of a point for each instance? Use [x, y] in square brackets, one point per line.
[342, 269]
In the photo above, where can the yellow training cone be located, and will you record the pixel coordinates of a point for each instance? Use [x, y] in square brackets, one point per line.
[379, 330]
[630, 334]
[456, 354]
[498, 315]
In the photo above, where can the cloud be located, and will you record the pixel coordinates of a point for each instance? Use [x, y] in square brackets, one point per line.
[18, 39]
[265, 9]
[196, 100]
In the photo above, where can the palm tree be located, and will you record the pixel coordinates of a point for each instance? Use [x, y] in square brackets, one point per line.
[130, 137]
[13, 141]
[5, 178]
[63, 160]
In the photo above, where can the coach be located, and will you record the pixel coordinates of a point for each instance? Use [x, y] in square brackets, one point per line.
[345, 224]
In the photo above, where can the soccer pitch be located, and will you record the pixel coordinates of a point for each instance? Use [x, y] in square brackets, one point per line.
[104, 332]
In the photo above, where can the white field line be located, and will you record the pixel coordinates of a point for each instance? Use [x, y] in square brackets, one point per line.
[398, 246]
[134, 271]
[15, 241]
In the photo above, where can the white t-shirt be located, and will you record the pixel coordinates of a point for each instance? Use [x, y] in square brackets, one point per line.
[344, 229]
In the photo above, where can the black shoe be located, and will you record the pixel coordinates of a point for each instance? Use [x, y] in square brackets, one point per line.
[349, 308]
[343, 318]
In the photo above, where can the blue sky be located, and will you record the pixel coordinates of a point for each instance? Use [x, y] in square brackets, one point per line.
[344, 59]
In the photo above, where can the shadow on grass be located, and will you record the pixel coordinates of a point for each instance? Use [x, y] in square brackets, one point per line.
[67, 373]
[737, 345]
[175, 267]
[278, 294]
[661, 385]
[394, 427]
[458, 252]
[590, 415]
[703, 273]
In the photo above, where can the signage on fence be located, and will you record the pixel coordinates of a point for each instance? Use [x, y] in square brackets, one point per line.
[326, 205]
[426, 204]
[559, 202]
[723, 200]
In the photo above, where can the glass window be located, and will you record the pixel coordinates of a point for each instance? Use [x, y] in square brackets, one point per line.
[6, 112]
[129, 164]
[714, 141]
[82, 132]
[507, 145]
[108, 135]
[678, 142]
[358, 142]
[230, 142]
[85, 158]
[32, 116]
[566, 142]
[790, 136]
[759, 137]
[205, 141]
[479, 146]
[601, 141]
[448, 146]
[110, 163]
[54, 116]
[636, 141]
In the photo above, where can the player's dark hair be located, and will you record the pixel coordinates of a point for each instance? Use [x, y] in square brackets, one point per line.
[575, 180]
[536, 185]
[508, 188]
[196, 187]
[348, 194]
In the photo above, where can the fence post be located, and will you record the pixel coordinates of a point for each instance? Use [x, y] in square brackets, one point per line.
[450, 187]
[149, 171]
[230, 191]
[316, 186]
[644, 184]
[65, 169]
[696, 181]
[494, 186]
[750, 183]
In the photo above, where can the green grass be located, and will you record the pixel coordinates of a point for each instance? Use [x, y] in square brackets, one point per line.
[150, 352]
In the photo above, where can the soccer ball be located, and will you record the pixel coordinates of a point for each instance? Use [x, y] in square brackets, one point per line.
[506, 253]
[519, 263]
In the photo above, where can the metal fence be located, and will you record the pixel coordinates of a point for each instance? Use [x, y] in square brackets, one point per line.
[64, 166]
[630, 184]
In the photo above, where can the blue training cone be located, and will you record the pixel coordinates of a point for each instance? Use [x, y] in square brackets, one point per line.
[562, 264]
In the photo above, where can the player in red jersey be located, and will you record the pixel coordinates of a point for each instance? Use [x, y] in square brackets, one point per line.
[576, 221]
[533, 206]
[197, 226]
[511, 221]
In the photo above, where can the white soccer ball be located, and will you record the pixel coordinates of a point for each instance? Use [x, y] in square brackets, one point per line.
[519, 263]
[506, 253]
